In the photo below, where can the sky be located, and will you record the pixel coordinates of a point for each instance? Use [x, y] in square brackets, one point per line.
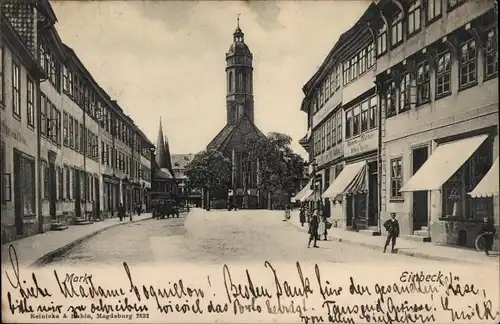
[166, 59]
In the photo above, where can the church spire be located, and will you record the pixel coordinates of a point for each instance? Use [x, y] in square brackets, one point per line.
[167, 154]
[161, 154]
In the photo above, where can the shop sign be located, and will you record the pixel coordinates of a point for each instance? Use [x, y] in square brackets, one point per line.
[330, 155]
[17, 136]
[363, 143]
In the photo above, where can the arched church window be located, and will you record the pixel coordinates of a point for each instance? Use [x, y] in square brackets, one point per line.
[239, 84]
[230, 82]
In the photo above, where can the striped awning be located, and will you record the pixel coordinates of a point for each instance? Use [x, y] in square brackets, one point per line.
[304, 192]
[358, 185]
[314, 196]
[489, 185]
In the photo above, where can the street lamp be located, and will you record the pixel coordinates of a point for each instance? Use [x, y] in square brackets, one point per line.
[314, 166]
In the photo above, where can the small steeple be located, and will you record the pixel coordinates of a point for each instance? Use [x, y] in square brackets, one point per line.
[167, 154]
[238, 34]
[161, 156]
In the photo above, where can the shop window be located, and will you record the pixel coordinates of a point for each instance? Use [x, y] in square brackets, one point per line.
[396, 178]
[30, 103]
[6, 177]
[397, 30]
[423, 83]
[348, 123]
[390, 99]
[443, 75]
[491, 54]
[364, 116]
[405, 92]
[414, 13]
[456, 203]
[382, 40]
[468, 64]
[434, 9]
[68, 182]
[60, 183]
[28, 175]
[16, 90]
[373, 112]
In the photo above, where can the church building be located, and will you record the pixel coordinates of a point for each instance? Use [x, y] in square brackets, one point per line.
[239, 124]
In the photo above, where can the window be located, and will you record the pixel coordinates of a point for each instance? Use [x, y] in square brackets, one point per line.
[65, 129]
[16, 89]
[58, 126]
[382, 40]
[74, 174]
[347, 66]
[2, 84]
[68, 182]
[491, 54]
[370, 56]
[443, 75]
[390, 99]
[332, 83]
[328, 134]
[468, 64]
[321, 96]
[337, 77]
[65, 79]
[397, 29]
[70, 133]
[82, 139]
[354, 68]
[6, 178]
[60, 183]
[456, 202]
[348, 123]
[414, 17]
[362, 61]
[323, 133]
[43, 114]
[452, 4]
[28, 183]
[339, 126]
[45, 169]
[373, 112]
[423, 83]
[30, 106]
[364, 116]
[396, 178]
[405, 92]
[355, 121]
[77, 139]
[434, 9]
[107, 155]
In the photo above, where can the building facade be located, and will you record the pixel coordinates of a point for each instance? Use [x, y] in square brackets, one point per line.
[70, 154]
[415, 85]
[192, 196]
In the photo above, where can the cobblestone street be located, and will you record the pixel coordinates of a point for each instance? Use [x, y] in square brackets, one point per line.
[216, 237]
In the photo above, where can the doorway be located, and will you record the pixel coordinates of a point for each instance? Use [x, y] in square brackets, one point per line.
[420, 198]
[18, 194]
[372, 194]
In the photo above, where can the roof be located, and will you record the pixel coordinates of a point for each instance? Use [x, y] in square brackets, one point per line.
[180, 161]
[226, 133]
[163, 174]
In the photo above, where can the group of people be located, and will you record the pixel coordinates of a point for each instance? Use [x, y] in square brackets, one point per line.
[318, 224]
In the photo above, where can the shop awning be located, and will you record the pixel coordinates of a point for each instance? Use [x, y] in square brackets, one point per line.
[304, 192]
[443, 163]
[358, 184]
[489, 185]
[344, 179]
[314, 196]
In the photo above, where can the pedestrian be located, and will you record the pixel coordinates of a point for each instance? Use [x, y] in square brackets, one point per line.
[121, 212]
[302, 215]
[489, 232]
[313, 230]
[287, 213]
[139, 209]
[322, 230]
[392, 227]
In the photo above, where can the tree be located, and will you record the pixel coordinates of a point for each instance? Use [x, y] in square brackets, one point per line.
[209, 170]
[280, 169]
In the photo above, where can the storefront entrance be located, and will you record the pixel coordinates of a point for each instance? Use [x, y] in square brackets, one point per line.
[420, 198]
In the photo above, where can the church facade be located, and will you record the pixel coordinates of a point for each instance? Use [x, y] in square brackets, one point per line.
[240, 125]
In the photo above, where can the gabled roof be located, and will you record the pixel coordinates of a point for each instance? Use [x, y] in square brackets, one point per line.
[225, 135]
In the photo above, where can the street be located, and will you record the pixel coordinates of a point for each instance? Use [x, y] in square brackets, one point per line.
[216, 237]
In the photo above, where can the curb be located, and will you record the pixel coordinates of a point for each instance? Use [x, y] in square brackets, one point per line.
[406, 253]
[47, 258]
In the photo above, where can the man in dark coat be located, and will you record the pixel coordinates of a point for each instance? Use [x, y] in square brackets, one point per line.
[392, 227]
[121, 212]
[313, 229]
[490, 230]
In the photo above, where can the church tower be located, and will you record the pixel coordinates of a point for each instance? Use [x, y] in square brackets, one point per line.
[239, 71]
